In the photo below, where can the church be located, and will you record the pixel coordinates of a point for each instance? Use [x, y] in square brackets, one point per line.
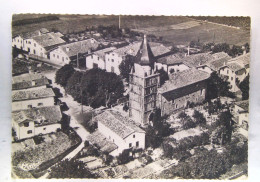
[146, 93]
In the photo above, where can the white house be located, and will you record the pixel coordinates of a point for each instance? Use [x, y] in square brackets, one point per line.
[170, 64]
[25, 99]
[36, 121]
[215, 64]
[42, 44]
[97, 58]
[236, 70]
[18, 41]
[120, 130]
[66, 53]
[241, 114]
[29, 81]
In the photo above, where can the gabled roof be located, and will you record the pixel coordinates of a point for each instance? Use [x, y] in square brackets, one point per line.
[243, 104]
[32, 34]
[26, 77]
[119, 124]
[30, 84]
[72, 49]
[239, 62]
[145, 55]
[32, 94]
[101, 53]
[48, 40]
[184, 78]
[171, 59]
[196, 60]
[159, 49]
[218, 63]
[42, 115]
[131, 49]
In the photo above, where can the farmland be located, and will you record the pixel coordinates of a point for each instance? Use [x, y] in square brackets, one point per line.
[176, 29]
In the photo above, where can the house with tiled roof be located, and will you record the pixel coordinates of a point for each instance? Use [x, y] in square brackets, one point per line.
[171, 63]
[35, 121]
[182, 89]
[29, 81]
[241, 114]
[120, 130]
[19, 40]
[25, 99]
[41, 45]
[97, 59]
[235, 70]
[66, 53]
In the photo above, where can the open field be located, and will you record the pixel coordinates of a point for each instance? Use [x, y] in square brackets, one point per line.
[176, 29]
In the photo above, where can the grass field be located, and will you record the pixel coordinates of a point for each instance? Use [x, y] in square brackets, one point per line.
[174, 29]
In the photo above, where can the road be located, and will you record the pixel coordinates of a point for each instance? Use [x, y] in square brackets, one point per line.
[74, 107]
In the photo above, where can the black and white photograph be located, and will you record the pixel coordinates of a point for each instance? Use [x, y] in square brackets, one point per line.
[130, 96]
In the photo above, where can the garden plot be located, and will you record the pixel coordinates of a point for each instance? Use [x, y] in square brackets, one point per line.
[187, 133]
[31, 157]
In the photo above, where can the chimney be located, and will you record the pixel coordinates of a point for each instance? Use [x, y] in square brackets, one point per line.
[145, 40]
[188, 50]
[33, 83]
[92, 41]
[89, 51]
[67, 49]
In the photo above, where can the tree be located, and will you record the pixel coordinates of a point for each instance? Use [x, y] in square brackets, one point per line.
[217, 87]
[199, 118]
[224, 47]
[71, 169]
[125, 67]
[244, 87]
[235, 51]
[163, 76]
[95, 87]
[63, 74]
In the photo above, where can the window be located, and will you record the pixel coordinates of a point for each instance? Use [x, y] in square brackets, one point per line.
[26, 124]
[137, 144]
[130, 145]
[63, 59]
[66, 58]
[53, 55]
[91, 56]
[29, 131]
[58, 56]
[231, 78]
[112, 54]
[34, 52]
[112, 69]
[112, 60]
[40, 104]
[44, 128]
[176, 106]
[29, 106]
[201, 91]
[34, 45]
[97, 58]
[18, 40]
[227, 71]
[133, 136]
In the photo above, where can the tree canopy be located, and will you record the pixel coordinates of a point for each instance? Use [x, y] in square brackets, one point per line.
[244, 87]
[71, 169]
[125, 67]
[63, 74]
[217, 87]
[163, 76]
[95, 87]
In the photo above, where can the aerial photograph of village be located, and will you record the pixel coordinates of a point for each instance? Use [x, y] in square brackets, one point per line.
[130, 97]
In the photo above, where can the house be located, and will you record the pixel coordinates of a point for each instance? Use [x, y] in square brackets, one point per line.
[114, 58]
[42, 44]
[171, 63]
[215, 64]
[31, 122]
[97, 59]
[182, 89]
[25, 99]
[241, 113]
[66, 53]
[235, 70]
[18, 41]
[120, 130]
[29, 81]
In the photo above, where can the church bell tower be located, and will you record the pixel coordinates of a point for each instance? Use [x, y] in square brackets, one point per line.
[143, 85]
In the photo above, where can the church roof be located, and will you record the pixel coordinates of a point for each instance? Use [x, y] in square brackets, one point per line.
[145, 55]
